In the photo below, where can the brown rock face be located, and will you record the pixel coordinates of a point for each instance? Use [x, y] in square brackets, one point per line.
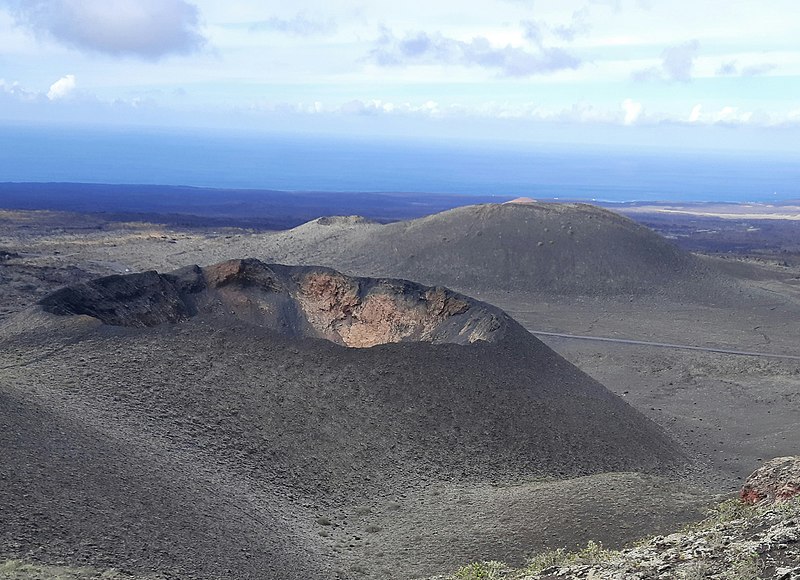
[775, 481]
[299, 301]
[390, 313]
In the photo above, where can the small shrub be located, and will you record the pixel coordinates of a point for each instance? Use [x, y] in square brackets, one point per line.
[548, 559]
[747, 567]
[19, 570]
[695, 571]
[10, 566]
[593, 553]
[786, 509]
[730, 510]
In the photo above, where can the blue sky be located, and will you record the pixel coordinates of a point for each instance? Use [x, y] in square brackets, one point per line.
[707, 73]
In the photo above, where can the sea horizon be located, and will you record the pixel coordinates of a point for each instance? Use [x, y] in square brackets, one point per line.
[325, 163]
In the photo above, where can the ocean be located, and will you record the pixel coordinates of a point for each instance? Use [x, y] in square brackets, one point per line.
[307, 163]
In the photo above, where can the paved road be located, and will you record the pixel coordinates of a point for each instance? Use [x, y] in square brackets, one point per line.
[668, 345]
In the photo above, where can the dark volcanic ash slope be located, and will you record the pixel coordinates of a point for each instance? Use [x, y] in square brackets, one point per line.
[176, 408]
[568, 248]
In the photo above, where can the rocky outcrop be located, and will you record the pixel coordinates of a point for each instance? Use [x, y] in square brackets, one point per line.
[746, 544]
[298, 301]
[394, 312]
[754, 536]
[776, 481]
[145, 299]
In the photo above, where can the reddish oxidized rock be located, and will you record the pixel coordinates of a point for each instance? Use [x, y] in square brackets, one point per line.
[775, 481]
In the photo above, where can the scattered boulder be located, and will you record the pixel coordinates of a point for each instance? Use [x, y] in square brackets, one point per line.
[775, 481]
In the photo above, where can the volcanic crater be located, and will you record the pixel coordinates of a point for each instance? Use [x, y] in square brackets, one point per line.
[297, 301]
[184, 400]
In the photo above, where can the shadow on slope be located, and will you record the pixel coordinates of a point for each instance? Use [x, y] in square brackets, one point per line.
[73, 492]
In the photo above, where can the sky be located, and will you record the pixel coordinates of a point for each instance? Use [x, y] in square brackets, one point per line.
[705, 73]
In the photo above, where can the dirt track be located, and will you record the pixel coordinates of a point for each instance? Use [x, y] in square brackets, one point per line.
[667, 345]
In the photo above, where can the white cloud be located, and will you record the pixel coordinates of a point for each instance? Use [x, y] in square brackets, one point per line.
[512, 61]
[677, 64]
[757, 69]
[633, 111]
[629, 112]
[728, 68]
[62, 88]
[731, 115]
[299, 25]
[493, 60]
[694, 116]
[144, 28]
[678, 61]
[579, 25]
[17, 90]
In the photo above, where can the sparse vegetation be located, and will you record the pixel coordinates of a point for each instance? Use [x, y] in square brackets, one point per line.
[747, 567]
[20, 570]
[734, 542]
[592, 554]
[695, 571]
[728, 511]
[732, 510]
[544, 560]
[482, 571]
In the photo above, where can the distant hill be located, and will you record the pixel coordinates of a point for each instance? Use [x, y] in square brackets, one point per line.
[205, 423]
[574, 249]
